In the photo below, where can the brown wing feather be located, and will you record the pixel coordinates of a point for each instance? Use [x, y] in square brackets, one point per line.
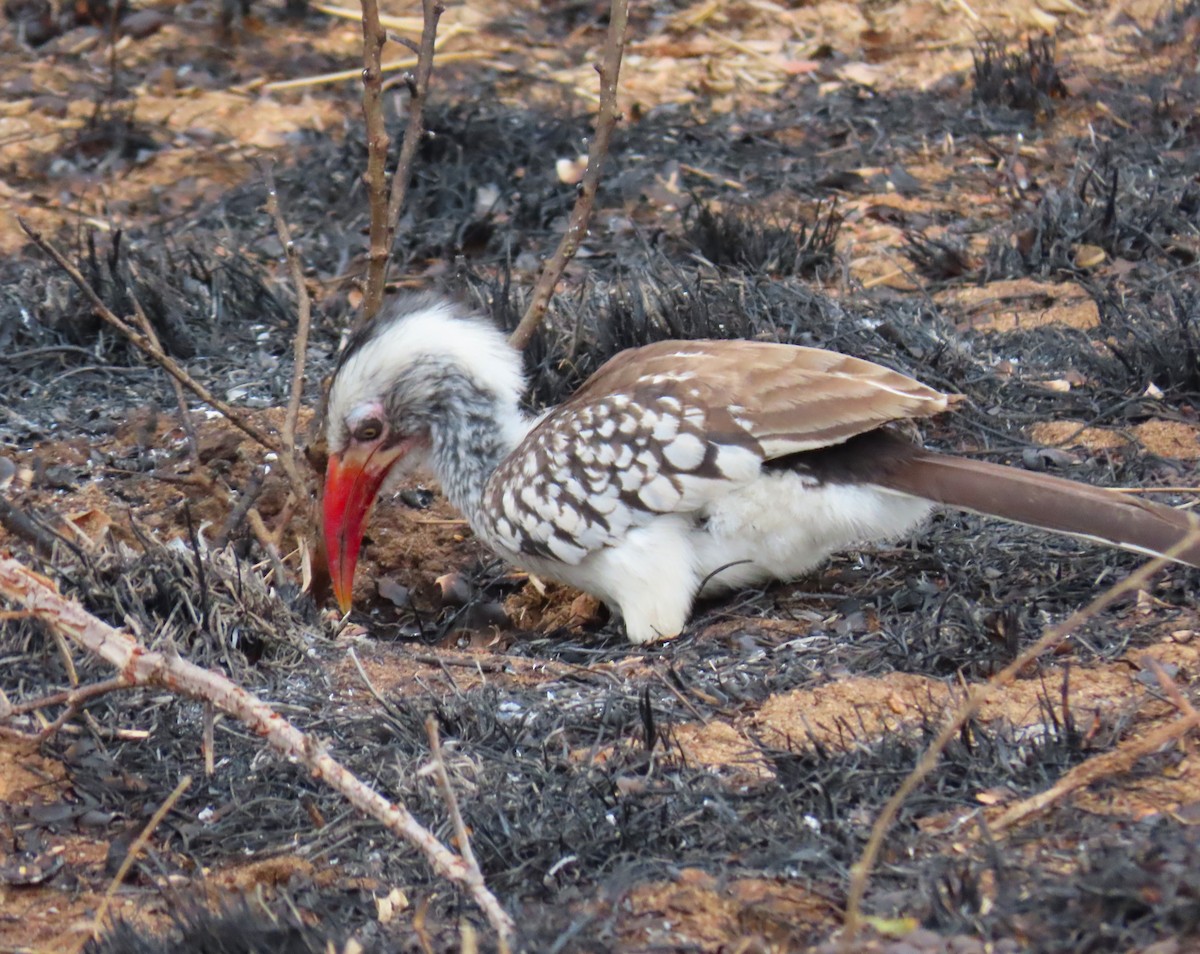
[789, 398]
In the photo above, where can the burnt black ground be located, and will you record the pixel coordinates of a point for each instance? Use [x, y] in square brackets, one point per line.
[941, 603]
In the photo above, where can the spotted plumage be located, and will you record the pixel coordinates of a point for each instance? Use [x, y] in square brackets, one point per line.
[677, 469]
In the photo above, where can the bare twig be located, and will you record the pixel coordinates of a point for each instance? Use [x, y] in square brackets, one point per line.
[461, 835]
[861, 871]
[385, 205]
[300, 351]
[1114, 762]
[142, 666]
[377, 150]
[134, 850]
[418, 89]
[145, 345]
[73, 699]
[581, 214]
[392, 66]
[185, 418]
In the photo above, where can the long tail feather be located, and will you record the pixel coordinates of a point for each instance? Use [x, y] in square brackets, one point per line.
[1046, 502]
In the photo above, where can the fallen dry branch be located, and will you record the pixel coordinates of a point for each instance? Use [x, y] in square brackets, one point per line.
[141, 666]
[581, 214]
[385, 206]
[976, 695]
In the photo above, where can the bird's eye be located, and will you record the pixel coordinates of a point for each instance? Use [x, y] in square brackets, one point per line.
[368, 430]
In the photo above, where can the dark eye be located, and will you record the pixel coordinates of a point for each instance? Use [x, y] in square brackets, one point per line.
[368, 430]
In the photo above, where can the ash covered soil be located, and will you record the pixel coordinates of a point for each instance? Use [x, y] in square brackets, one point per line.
[933, 185]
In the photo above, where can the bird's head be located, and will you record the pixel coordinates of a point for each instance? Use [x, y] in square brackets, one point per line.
[407, 382]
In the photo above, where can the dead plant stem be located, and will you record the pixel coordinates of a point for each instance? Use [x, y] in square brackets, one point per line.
[385, 205]
[135, 849]
[145, 667]
[581, 214]
[377, 151]
[461, 835]
[418, 90]
[300, 346]
[861, 871]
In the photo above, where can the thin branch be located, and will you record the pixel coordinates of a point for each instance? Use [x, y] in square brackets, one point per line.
[185, 418]
[145, 345]
[377, 151]
[136, 849]
[300, 350]
[461, 835]
[418, 89]
[386, 206]
[581, 214]
[861, 871]
[142, 666]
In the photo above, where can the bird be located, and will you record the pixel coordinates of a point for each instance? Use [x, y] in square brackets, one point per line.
[678, 470]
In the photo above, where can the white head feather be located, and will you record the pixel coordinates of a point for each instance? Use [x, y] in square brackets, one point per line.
[416, 334]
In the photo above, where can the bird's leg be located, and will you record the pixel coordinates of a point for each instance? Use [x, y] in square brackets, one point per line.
[650, 579]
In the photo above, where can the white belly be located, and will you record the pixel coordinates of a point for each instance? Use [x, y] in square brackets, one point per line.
[784, 525]
[779, 527]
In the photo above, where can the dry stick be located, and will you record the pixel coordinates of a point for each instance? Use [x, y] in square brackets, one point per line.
[581, 214]
[377, 150]
[385, 206]
[134, 850]
[1119, 760]
[861, 871]
[300, 352]
[443, 779]
[418, 89]
[142, 666]
[140, 341]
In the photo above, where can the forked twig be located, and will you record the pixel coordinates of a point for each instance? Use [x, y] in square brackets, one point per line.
[581, 214]
[385, 205]
[860, 872]
[72, 699]
[142, 666]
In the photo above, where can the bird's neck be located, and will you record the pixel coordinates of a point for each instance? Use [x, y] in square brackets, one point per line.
[469, 446]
